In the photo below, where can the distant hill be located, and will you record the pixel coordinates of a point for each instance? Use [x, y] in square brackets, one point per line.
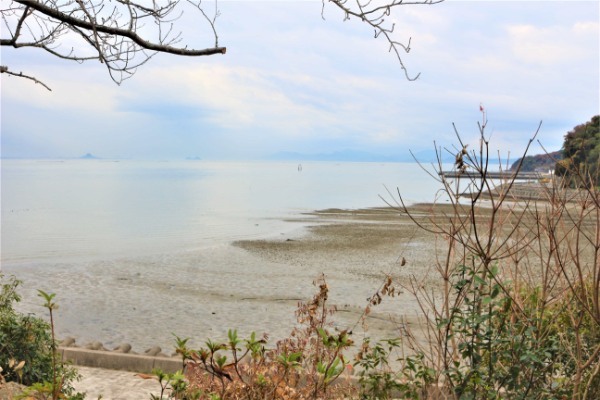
[580, 152]
[88, 156]
[344, 155]
[539, 162]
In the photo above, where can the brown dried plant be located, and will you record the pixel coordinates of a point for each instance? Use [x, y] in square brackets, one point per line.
[516, 313]
[309, 364]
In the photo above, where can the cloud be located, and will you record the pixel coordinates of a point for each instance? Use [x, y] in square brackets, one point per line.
[547, 46]
[85, 93]
[292, 81]
[586, 28]
[234, 98]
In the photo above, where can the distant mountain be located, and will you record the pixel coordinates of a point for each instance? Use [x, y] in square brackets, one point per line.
[88, 156]
[347, 156]
[422, 156]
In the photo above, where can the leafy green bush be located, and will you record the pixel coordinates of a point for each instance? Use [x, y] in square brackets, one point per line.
[581, 154]
[516, 311]
[23, 338]
[28, 343]
[501, 347]
[309, 364]
[378, 379]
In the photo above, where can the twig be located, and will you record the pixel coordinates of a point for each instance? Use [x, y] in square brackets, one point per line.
[4, 70]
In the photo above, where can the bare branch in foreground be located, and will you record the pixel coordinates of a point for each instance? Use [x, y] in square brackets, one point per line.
[121, 34]
[4, 70]
[375, 14]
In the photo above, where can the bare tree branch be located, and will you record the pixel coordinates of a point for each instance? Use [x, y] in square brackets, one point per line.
[4, 70]
[123, 33]
[375, 13]
[91, 25]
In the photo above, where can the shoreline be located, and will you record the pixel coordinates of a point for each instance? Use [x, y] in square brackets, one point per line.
[249, 285]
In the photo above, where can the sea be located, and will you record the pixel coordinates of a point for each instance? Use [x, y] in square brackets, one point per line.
[138, 251]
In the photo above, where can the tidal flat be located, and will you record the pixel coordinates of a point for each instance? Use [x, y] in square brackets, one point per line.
[248, 285]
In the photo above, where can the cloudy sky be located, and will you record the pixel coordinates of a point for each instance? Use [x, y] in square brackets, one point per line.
[292, 81]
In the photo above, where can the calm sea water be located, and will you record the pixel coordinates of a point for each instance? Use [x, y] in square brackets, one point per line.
[56, 211]
[131, 246]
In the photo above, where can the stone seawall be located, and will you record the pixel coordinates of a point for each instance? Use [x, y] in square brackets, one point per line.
[121, 358]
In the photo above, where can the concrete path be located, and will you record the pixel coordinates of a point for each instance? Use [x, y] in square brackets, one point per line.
[114, 385]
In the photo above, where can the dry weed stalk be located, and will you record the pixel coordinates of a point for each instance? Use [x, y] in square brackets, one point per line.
[306, 365]
[516, 314]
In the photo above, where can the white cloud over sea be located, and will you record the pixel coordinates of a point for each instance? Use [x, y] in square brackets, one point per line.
[293, 81]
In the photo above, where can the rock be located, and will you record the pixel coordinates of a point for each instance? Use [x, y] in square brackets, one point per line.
[95, 346]
[153, 351]
[123, 348]
[68, 342]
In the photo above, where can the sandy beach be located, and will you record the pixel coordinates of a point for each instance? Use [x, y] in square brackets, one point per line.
[248, 285]
[356, 250]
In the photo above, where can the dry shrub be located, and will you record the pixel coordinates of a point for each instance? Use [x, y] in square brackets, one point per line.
[516, 313]
[309, 364]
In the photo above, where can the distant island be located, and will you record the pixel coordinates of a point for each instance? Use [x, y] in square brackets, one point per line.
[88, 156]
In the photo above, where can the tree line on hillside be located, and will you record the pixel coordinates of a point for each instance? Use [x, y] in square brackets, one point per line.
[580, 152]
[539, 162]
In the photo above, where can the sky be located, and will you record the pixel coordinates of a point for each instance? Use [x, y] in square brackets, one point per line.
[294, 81]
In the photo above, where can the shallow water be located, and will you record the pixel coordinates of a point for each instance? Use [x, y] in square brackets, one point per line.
[137, 251]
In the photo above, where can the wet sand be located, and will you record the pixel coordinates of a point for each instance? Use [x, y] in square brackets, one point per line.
[252, 285]
[356, 250]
